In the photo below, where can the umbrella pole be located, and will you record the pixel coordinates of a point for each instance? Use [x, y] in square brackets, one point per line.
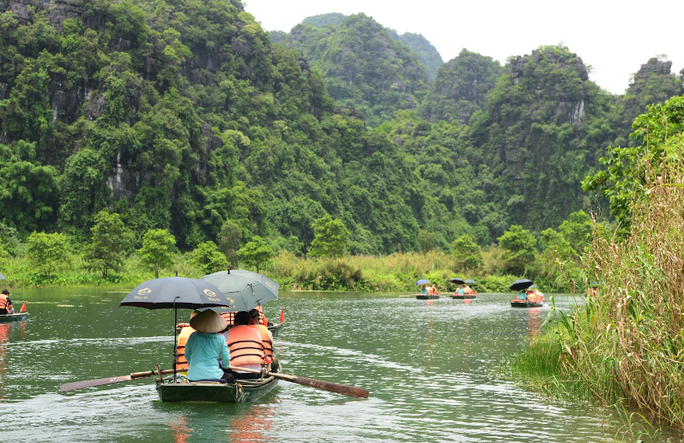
[175, 340]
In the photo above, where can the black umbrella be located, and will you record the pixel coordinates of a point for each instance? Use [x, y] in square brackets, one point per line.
[470, 282]
[520, 284]
[458, 281]
[173, 293]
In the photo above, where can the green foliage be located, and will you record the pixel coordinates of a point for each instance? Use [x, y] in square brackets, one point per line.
[426, 240]
[460, 88]
[331, 238]
[256, 253]
[47, 253]
[28, 189]
[630, 171]
[467, 254]
[157, 250]
[109, 244]
[229, 241]
[518, 245]
[363, 66]
[208, 258]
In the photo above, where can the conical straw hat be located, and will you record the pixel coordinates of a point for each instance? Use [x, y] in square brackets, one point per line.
[208, 322]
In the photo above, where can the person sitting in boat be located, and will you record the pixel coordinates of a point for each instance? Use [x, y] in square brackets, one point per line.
[468, 290]
[460, 290]
[186, 331]
[246, 347]
[266, 336]
[206, 350]
[522, 295]
[424, 290]
[535, 296]
[432, 290]
[5, 303]
[262, 318]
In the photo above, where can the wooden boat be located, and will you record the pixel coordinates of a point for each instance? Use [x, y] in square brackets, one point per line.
[21, 316]
[207, 391]
[517, 303]
[426, 296]
[275, 328]
[463, 296]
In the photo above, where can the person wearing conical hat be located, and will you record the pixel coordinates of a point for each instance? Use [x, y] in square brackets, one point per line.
[206, 350]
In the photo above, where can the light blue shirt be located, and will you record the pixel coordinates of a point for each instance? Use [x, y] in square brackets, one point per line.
[203, 352]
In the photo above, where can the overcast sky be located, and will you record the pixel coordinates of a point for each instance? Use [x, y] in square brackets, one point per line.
[614, 37]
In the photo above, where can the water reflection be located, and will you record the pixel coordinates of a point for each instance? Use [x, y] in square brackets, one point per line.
[428, 367]
[534, 321]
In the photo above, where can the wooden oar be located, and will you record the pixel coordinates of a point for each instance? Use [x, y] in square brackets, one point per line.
[320, 384]
[109, 380]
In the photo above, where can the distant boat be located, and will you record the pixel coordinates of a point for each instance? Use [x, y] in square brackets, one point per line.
[463, 296]
[517, 303]
[426, 296]
[6, 318]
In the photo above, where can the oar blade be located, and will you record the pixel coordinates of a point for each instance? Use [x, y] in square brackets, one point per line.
[330, 386]
[90, 383]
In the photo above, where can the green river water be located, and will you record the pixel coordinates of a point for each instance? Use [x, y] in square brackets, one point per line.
[429, 367]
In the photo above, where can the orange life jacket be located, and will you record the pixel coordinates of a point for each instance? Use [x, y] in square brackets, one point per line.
[229, 317]
[262, 317]
[246, 346]
[4, 303]
[181, 362]
[266, 340]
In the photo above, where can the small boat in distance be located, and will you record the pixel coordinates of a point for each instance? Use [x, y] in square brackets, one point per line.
[515, 303]
[6, 318]
[426, 296]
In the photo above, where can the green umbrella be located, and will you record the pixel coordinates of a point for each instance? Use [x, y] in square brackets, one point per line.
[244, 289]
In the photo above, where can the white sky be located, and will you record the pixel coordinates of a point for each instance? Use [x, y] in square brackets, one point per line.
[614, 37]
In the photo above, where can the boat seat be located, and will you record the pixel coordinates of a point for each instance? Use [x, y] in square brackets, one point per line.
[211, 380]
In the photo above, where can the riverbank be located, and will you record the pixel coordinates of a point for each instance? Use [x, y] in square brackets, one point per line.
[624, 347]
[393, 273]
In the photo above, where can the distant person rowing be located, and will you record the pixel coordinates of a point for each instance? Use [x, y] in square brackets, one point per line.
[5, 303]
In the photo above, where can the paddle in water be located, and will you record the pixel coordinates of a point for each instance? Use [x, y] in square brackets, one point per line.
[110, 380]
[319, 384]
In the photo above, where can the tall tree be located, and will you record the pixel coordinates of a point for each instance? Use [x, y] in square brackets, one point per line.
[108, 245]
[157, 250]
[331, 238]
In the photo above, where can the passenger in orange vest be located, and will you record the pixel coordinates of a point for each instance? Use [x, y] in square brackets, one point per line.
[5, 303]
[266, 336]
[262, 317]
[181, 361]
[246, 347]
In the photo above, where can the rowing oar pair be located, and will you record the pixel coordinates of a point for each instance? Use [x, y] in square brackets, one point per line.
[339, 388]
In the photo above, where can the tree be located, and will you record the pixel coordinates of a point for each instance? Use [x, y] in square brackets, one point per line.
[256, 253]
[157, 250]
[426, 240]
[518, 245]
[629, 172]
[467, 253]
[47, 253]
[109, 242]
[208, 258]
[331, 237]
[229, 241]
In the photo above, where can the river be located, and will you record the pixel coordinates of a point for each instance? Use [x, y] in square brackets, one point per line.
[429, 367]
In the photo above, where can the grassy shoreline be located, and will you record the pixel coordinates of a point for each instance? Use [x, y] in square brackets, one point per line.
[393, 273]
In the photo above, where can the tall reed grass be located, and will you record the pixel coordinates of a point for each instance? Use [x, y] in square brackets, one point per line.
[626, 344]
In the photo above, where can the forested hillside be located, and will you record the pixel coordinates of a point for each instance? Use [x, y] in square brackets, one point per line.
[185, 116]
[362, 64]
